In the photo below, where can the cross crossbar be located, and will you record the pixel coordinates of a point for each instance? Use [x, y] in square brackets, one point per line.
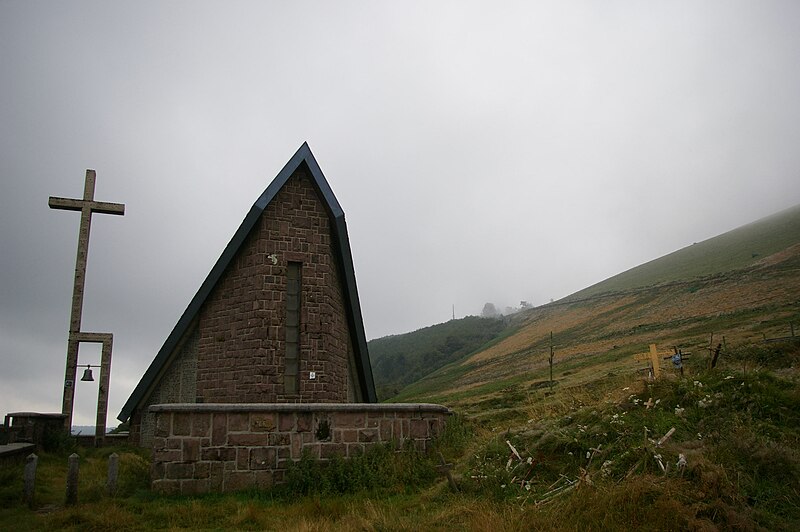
[102, 207]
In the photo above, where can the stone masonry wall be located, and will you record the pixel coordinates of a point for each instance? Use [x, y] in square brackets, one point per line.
[200, 448]
[242, 337]
[178, 385]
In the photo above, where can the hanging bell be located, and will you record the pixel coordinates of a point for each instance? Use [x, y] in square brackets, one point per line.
[87, 374]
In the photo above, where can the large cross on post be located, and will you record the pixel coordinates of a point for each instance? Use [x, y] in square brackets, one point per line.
[87, 206]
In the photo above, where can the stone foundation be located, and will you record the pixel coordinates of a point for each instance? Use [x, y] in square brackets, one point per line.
[200, 448]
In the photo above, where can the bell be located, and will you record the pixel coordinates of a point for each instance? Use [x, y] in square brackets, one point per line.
[87, 375]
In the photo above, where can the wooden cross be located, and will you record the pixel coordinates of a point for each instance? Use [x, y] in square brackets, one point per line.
[653, 358]
[86, 206]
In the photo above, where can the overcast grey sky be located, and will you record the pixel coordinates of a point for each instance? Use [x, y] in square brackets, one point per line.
[482, 151]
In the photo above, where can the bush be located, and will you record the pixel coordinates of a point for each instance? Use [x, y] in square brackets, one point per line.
[377, 470]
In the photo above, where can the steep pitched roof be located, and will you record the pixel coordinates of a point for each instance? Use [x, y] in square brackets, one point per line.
[302, 158]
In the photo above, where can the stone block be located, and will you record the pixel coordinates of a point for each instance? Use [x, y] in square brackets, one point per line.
[247, 439]
[385, 430]
[328, 450]
[202, 470]
[286, 422]
[191, 450]
[163, 424]
[279, 438]
[168, 455]
[419, 429]
[347, 435]
[215, 476]
[166, 486]
[262, 422]
[368, 435]
[238, 480]
[157, 470]
[242, 458]
[179, 471]
[201, 424]
[219, 431]
[262, 458]
[218, 454]
[304, 421]
[181, 424]
[238, 422]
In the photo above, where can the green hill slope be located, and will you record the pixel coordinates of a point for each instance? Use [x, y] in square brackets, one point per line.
[404, 358]
[733, 250]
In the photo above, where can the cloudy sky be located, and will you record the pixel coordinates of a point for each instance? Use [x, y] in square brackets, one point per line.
[482, 151]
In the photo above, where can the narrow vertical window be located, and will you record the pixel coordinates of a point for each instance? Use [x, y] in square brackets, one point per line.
[292, 327]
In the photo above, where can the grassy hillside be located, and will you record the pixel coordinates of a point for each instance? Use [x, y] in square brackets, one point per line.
[717, 450]
[596, 336]
[404, 358]
[677, 299]
[740, 248]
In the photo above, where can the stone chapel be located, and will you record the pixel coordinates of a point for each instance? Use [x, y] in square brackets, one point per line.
[278, 318]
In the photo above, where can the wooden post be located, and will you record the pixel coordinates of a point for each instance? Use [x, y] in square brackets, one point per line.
[72, 479]
[551, 359]
[113, 474]
[655, 361]
[710, 349]
[716, 356]
[30, 478]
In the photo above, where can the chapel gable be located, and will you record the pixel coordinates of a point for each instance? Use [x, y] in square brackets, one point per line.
[277, 320]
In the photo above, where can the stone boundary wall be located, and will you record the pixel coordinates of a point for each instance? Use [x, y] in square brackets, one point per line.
[200, 448]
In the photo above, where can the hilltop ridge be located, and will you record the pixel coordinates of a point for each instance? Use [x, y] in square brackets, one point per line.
[742, 284]
[736, 249]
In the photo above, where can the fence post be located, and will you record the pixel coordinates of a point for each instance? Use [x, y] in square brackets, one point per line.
[30, 478]
[72, 479]
[113, 474]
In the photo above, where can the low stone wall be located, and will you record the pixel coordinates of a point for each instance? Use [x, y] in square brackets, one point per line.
[199, 448]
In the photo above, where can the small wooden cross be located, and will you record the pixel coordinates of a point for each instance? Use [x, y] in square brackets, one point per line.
[653, 358]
